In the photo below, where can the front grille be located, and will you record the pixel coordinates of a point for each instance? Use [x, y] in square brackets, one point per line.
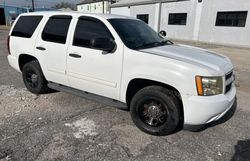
[228, 87]
[229, 81]
[229, 75]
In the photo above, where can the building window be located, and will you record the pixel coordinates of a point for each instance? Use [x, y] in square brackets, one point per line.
[231, 19]
[143, 17]
[95, 6]
[177, 19]
[87, 7]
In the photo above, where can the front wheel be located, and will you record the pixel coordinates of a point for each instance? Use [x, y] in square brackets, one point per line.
[33, 78]
[155, 110]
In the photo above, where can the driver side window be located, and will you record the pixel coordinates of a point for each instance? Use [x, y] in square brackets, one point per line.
[88, 29]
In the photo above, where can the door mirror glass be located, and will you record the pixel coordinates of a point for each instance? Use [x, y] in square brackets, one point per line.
[105, 44]
[163, 33]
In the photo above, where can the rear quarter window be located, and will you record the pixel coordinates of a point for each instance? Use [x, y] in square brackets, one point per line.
[26, 26]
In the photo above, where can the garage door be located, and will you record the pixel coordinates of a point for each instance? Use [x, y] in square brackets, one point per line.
[2, 17]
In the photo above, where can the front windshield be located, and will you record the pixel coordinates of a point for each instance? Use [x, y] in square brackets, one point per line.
[136, 34]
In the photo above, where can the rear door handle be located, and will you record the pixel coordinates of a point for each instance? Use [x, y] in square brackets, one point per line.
[40, 48]
[75, 55]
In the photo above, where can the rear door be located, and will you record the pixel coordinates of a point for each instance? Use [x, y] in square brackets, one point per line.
[90, 69]
[51, 47]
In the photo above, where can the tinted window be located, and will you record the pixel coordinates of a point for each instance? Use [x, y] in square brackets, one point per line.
[89, 29]
[177, 19]
[143, 17]
[26, 26]
[136, 34]
[236, 19]
[56, 29]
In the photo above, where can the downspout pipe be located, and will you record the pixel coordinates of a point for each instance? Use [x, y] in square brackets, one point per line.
[159, 11]
[103, 6]
[159, 17]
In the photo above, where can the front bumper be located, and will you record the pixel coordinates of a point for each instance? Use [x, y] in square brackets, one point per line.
[201, 110]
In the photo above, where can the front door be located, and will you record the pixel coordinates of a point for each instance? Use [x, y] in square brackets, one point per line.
[94, 70]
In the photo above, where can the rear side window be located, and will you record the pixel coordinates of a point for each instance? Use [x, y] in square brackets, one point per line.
[26, 26]
[56, 29]
[88, 29]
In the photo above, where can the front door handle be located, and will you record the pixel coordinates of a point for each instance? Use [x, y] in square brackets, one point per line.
[40, 48]
[75, 55]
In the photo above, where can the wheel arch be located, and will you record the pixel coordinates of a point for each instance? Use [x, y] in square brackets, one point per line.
[25, 58]
[137, 84]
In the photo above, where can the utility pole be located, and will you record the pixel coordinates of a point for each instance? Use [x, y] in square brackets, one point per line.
[33, 5]
[4, 7]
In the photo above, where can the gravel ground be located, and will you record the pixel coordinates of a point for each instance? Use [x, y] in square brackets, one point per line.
[60, 126]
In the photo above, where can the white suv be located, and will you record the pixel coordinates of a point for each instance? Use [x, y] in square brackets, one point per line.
[121, 61]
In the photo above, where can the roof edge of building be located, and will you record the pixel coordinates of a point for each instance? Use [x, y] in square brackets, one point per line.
[88, 2]
[142, 3]
[6, 5]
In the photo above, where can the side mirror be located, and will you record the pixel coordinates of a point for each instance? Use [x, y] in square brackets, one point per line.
[163, 33]
[105, 44]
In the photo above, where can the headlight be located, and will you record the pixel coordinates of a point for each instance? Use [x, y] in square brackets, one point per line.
[208, 86]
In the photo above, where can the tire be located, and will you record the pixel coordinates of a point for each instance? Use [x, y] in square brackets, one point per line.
[33, 78]
[155, 110]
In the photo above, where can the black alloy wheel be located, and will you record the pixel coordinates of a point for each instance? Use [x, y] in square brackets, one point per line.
[156, 110]
[33, 78]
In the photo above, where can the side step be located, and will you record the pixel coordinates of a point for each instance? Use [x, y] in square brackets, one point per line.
[93, 97]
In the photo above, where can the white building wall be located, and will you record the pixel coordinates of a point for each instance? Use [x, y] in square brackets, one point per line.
[125, 11]
[201, 19]
[150, 9]
[226, 35]
[93, 7]
[179, 31]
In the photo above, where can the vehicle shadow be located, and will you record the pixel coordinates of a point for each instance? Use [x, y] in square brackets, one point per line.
[242, 151]
[51, 91]
[224, 119]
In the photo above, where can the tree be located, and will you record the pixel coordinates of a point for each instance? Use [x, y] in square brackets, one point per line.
[65, 5]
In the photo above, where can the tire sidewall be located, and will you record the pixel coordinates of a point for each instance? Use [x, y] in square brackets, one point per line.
[168, 103]
[34, 66]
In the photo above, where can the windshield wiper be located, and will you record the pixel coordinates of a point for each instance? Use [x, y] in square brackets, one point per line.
[148, 45]
[167, 42]
[154, 44]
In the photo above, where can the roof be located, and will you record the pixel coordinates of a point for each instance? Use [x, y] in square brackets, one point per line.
[65, 9]
[90, 1]
[124, 3]
[5, 5]
[75, 13]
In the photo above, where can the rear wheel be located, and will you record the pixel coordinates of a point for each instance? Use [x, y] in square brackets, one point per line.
[33, 78]
[155, 110]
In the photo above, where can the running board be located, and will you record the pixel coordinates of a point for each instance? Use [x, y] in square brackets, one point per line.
[93, 97]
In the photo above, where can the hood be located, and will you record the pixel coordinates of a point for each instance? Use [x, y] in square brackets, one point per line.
[193, 55]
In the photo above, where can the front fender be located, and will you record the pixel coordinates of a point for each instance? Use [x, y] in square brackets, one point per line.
[175, 80]
[172, 72]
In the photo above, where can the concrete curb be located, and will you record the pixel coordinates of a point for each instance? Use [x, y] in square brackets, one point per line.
[212, 45]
